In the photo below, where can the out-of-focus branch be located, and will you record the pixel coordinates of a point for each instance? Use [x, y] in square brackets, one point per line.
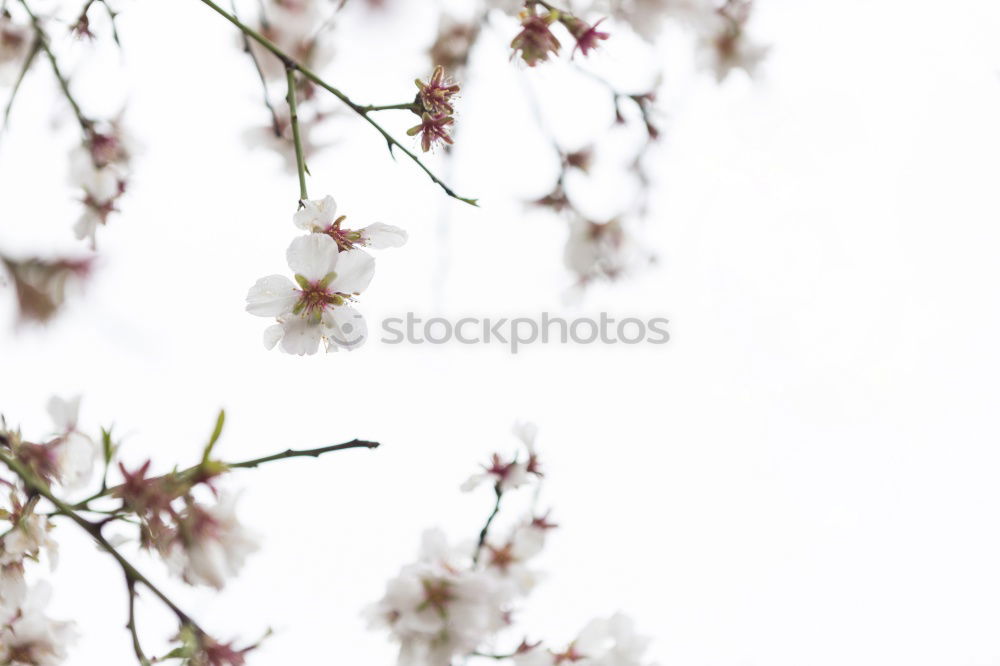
[43, 43]
[293, 114]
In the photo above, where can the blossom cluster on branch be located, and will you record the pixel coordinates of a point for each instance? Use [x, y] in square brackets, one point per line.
[182, 517]
[460, 601]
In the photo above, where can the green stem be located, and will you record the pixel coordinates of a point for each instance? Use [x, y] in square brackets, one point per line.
[489, 521]
[300, 159]
[405, 106]
[290, 63]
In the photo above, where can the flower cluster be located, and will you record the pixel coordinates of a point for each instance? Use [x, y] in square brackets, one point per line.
[720, 29]
[330, 269]
[29, 637]
[203, 544]
[182, 517]
[536, 41]
[453, 601]
[100, 167]
[434, 106]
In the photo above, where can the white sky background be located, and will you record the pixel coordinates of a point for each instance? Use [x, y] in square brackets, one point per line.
[806, 474]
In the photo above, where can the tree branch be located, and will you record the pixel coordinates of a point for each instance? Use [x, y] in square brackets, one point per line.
[39, 487]
[290, 63]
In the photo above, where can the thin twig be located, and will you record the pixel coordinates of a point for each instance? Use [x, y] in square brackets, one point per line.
[483, 533]
[136, 645]
[192, 471]
[359, 109]
[293, 114]
[304, 453]
[275, 123]
[35, 48]
[43, 41]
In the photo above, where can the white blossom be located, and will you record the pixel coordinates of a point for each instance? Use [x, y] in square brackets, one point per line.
[75, 452]
[602, 642]
[210, 544]
[320, 216]
[438, 608]
[317, 309]
[728, 48]
[28, 637]
[27, 539]
[510, 473]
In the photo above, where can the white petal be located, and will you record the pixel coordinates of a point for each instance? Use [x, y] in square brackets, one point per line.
[346, 327]
[271, 296]
[312, 256]
[380, 236]
[316, 213]
[301, 336]
[526, 432]
[76, 456]
[86, 226]
[355, 269]
[64, 413]
[272, 334]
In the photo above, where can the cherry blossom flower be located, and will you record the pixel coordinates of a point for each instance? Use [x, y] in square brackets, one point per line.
[453, 44]
[30, 638]
[433, 129]
[41, 284]
[320, 216]
[210, 544]
[27, 539]
[435, 96]
[317, 310]
[587, 36]
[76, 453]
[602, 642]
[100, 167]
[727, 47]
[600, 250]
[438, 608]
[15, 42]
[510, 473]
[535, 41]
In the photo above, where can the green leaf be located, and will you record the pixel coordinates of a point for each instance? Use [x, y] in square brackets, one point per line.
[219, 422]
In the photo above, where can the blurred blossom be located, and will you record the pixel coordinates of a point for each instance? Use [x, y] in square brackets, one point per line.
[28, 637]
[41, 284]
[209, 544]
